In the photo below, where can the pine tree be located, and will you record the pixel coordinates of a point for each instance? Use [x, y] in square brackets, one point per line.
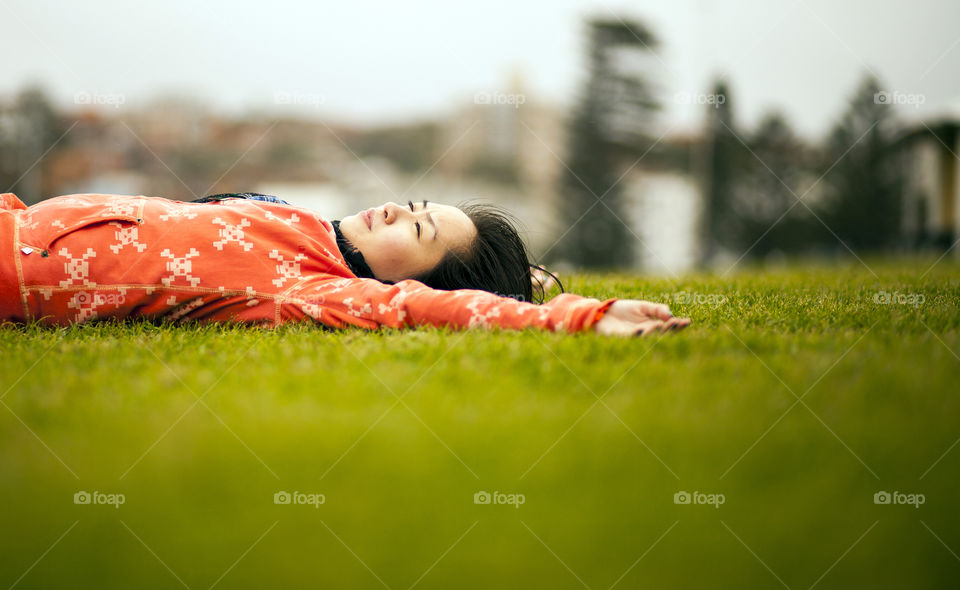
[608, 123]
[866, 179]
[766, 201]
[724, 159]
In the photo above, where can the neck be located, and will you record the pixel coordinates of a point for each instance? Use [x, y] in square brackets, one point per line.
[351, 254]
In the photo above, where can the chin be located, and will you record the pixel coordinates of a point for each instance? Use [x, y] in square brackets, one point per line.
[353, 224]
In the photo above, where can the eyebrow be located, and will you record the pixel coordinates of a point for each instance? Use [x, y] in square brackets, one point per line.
[432, 222]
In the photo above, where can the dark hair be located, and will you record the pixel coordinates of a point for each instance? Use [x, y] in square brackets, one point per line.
[496, 260]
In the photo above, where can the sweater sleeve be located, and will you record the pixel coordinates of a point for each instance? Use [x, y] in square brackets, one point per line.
[368, 303]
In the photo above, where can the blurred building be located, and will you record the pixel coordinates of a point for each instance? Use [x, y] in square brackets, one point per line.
[506, 146]
[931, 215]
[664, 205]
[664, 192]
[172, 148]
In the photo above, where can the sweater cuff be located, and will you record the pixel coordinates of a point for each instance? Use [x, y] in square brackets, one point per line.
[586, 313]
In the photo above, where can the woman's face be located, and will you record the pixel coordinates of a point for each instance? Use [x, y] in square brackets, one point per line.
[405, 241]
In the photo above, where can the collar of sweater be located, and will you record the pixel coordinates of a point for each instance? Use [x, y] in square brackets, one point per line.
[351, 254]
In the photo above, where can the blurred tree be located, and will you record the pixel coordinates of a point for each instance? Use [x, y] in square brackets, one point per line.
[498, 169]
[411, 147]
[33, 104]
[865, 176]
[608, 123]
[765, 203]
[30, 132]
[724, 155]
[753, 183]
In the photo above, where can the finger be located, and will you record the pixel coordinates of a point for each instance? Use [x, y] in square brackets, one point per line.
[669, 325]
[674, 324]
[655, 310]
[648, 327]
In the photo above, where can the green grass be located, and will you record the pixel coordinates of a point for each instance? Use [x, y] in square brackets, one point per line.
[399, 430]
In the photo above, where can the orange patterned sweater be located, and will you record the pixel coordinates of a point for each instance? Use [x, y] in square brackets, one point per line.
[78, 258]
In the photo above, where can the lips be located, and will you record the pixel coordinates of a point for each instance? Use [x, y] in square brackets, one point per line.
[368, 218]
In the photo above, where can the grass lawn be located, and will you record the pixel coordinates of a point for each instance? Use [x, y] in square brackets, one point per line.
[795, 397]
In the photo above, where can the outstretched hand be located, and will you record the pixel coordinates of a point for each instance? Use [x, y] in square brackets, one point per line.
[631, 317]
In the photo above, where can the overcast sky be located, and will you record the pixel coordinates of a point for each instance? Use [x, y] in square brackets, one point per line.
[375, 61]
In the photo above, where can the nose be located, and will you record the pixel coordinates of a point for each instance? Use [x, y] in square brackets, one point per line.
[393, 211]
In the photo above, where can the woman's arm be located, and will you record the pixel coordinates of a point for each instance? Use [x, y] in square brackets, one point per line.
[628, 317]
[368, 303]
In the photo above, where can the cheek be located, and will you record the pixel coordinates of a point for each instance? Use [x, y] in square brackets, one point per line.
[391, 247]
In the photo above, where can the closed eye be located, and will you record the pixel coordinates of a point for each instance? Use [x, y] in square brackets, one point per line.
[416, 223]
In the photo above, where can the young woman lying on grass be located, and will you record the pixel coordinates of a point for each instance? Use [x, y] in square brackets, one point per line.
[256, 259]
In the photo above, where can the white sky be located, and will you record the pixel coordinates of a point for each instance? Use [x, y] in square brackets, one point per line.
[377, 61]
